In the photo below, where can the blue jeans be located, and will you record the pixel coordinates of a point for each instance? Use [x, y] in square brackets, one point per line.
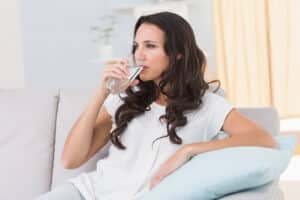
[63, 192]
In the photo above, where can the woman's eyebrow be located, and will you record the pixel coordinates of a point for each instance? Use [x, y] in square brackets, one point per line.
[146, 41]
[150, 41]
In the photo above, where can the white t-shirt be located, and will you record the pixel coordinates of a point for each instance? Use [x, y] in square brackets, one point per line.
[125, 174]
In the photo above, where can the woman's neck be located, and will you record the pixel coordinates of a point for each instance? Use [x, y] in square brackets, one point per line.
[162, 100]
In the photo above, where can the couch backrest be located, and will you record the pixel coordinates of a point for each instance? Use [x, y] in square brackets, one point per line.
[27, 122]
[71, 104]
[266, 117]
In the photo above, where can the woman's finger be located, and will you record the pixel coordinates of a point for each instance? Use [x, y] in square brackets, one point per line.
[114, 75]
[124, 69]
[120, 67]
[117, 70]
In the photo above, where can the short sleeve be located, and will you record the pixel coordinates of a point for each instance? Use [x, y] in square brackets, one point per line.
[219, 109]
[112, 103]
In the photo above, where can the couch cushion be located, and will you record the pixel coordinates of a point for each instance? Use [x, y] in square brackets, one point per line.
[27, 125]
[71, 104]
[213, 174]
[269, 191]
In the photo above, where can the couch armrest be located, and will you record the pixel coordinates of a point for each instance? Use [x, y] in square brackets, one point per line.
[269, 191]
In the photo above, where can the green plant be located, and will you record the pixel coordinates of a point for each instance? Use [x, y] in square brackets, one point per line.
[104, 29]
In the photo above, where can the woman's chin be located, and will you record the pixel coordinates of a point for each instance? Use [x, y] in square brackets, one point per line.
[143, 77]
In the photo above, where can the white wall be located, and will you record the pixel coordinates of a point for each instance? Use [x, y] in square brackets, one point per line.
[58, 45]
[11, 52]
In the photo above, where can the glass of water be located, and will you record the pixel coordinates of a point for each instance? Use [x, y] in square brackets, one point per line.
[116, 86]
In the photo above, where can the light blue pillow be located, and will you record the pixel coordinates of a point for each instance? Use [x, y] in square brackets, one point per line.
[214, 174]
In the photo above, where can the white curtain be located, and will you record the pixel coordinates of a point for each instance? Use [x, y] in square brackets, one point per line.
[257, 43]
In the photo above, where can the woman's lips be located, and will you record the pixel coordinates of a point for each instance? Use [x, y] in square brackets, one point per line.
[144, 66]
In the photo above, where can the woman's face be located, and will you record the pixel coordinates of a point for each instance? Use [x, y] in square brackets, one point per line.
[150, 53]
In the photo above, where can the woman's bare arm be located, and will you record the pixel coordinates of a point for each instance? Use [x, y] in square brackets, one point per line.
[242, 132]
[88, 134]
[91, 130]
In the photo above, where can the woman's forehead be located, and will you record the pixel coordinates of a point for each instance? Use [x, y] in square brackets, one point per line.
[149, 32]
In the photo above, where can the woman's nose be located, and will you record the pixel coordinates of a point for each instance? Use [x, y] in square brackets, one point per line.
[139, 55]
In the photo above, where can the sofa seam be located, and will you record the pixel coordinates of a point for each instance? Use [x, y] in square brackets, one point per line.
[54, 138]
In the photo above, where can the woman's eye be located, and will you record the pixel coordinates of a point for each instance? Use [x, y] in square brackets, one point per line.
[151, 46]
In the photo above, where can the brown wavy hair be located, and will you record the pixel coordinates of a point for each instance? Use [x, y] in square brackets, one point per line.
[182, 82]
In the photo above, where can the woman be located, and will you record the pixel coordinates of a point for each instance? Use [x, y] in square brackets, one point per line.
[157, 128]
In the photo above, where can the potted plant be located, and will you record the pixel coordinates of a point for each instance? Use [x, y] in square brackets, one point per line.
[104, 32]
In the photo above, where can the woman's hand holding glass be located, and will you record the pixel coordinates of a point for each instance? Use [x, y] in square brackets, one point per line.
[115, 78]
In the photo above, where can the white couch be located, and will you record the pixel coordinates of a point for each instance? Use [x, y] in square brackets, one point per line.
[33, 128]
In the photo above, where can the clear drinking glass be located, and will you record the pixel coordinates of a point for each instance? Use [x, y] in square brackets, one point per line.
[116, 86]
